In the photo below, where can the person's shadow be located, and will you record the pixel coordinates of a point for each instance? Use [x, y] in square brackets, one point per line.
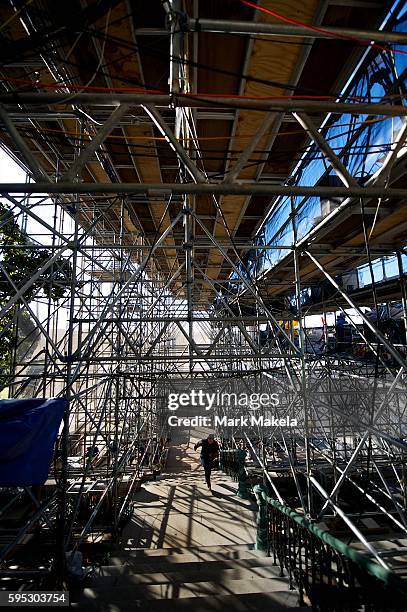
[235, 501]
[145, 496]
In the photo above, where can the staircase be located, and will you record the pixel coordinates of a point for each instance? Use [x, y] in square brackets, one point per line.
[194, 579]
[187, 549]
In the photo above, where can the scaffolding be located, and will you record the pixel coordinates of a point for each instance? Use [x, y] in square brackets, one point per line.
[150, 308]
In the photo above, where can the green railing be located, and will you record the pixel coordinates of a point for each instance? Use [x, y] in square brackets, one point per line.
[331, 575]
[232, 462]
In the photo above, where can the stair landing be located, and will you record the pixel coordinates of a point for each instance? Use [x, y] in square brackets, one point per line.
[187, 548]
[179, 511]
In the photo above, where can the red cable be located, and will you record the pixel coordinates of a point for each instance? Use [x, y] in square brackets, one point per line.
[319, 30]
[295, 22]
[198, 95]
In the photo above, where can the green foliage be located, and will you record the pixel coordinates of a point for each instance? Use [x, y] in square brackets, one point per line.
[21, 264]
[7, 342]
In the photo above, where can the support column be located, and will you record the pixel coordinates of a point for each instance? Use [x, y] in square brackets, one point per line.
[262, 542]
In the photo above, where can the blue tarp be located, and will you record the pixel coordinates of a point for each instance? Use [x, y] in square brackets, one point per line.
[28, 430]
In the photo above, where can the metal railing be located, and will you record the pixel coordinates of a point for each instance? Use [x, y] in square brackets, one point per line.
[329, 574]
[232, 462]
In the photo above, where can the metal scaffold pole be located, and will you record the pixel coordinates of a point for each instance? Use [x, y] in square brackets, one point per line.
[197, 206]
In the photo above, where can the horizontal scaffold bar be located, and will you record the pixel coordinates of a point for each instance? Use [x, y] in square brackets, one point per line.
[205, 189]
[212, 357]
[284, 29]
[195, 101]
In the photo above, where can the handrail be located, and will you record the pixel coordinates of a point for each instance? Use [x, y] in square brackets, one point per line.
[232, 462]
[384, 575]
[319, 564]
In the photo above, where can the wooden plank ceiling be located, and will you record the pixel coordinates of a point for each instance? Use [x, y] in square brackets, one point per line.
[94, 44]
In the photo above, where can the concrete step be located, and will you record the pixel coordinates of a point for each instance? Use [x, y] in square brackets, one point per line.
[129, 587]
[201, 572]
[185, 555]
[276, 601]
[166, 565]
[152, 552]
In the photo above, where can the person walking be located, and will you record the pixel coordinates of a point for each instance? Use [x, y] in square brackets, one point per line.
[209, 454]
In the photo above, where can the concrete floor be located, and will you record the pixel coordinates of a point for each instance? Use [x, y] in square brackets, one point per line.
[186, 548]
[177, 510]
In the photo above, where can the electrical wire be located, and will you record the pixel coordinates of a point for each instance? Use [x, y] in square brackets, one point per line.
[195, 96]
[102, 53]
[137, 152]
[146, 49]
[215, 138]
[11, 50]
[320, 30]
[289, 133]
